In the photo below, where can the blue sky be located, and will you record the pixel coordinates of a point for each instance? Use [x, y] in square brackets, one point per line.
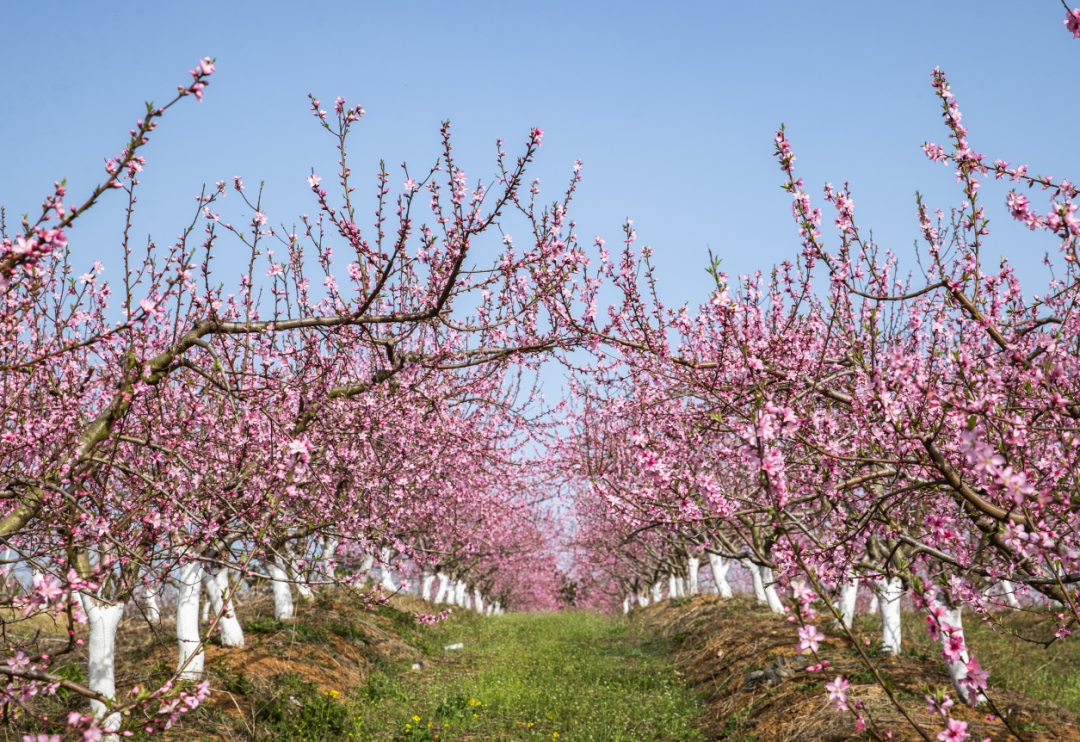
[671, 106]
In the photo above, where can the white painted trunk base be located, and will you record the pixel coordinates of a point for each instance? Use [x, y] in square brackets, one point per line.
[101, 646]
[151, 605]
[958, 669]
[425, 586]
[889, 592]
[1008, 589]
[444, 587]
[719, 567]
[478, 601]
[283, 602]
[755, 576]
[384, 570]
[771, 596]
[304, 590]
[849, 594]
[187, 622]
[217, 587]
[693, 566]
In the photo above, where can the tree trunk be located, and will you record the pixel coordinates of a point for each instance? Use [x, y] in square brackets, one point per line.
[478, 601]
[384, 569]
[283, 602]
[657, 592]
[771, 596]
[890, 590]
[187, 622]
[325, 567]
[444, 588]
[152, 607]
[759, 586]
[958, 668]
[101, 646]
[673, 586]
[425, 586]
[303, 589]
[365, 566]
[1008, 589]
[719, 567]
[643, 598]
[849, 593]
[217, 587]
[625, 605]
[693, 565]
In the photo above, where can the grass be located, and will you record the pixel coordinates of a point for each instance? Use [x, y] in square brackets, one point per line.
[573, 677]
[1044, 674]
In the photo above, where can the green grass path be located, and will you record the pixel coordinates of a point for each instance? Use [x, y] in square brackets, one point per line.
[570, 677]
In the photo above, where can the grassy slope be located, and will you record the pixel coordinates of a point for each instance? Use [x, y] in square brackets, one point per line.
[1043, 673]
[567, 676]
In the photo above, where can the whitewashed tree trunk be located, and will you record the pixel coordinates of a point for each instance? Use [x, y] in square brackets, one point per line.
[384, 569]
[187, 622]
[325, 566]
[1008, 589]
[283, 602]
[101, 646]
[625, 605]
[444, 587]
[889, 591]
[499, 609]
[680, 587]
[693, 566]
[771, 596]
[875, 604]
[719, 567]
[958, 669]
[217, 587]
[467, 596]
[759, 585]
[643, 598]
[366, 564]
[478, 601]
[425, 585]
[657, 592]
[490, 609]
[459, 594]
[204, 609]
[673, 586]
[303, 589]
[849, 594]
[152, 609]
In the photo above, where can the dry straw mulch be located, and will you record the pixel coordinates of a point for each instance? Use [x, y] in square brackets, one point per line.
[721, 642]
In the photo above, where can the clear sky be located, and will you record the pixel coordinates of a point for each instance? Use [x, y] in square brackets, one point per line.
[671, 106]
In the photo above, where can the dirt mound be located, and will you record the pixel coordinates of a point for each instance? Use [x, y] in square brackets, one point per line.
[744, 660]
[292, 679]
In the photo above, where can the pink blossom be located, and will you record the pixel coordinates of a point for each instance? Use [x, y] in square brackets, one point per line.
[837, 690]
[954, 646]
[1072, 22]
[956, 731]
[809, 638]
